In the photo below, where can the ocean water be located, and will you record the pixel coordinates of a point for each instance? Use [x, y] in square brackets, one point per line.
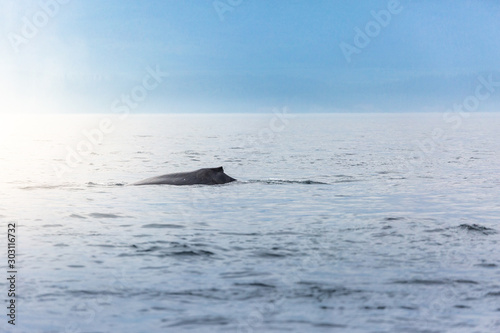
[337, 223]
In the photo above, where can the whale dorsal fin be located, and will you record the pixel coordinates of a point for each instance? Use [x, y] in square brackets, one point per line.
[219, 169]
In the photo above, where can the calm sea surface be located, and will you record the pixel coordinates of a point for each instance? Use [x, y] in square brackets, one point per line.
[337, 223]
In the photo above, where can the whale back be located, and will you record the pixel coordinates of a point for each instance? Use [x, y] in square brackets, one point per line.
[206, 176]
[219, 177]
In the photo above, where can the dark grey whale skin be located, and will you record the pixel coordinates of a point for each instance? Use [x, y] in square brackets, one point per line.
[207, 176]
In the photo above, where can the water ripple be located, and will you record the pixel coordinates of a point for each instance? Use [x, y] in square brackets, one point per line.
[162, 226]
[202, 321]
[477, 228]
[104, 215]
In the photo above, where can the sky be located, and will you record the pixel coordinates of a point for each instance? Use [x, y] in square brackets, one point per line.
[74, 56]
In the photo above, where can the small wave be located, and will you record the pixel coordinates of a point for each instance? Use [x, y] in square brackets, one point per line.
[329, 325]
[255, 284]
[40, 187]
[175, 249]
[49, 187]
[279, 233]
[320, 291]
[99, 293]
[240, 234]
[240, 293]
[477, 228]
[104, 245]
[76, 216]
[436, 230]
[151, 249]
[421, 281]
[242, 274]
[201, 321]
[465, 281]
[347, 181]
[394, 218]
[190, 253]
[493, 293]
[92, 184]
[486, 265]
[267, 254]
[284, 181]
[434, 282]
[380, 307]
[104, 215]
[160, 226]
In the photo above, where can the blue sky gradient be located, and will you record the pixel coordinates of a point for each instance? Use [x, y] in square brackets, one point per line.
[247, 55]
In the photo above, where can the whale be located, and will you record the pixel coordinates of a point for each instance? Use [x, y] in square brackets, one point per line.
[206, 176]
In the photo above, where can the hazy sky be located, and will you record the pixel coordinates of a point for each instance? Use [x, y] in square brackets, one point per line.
[246, 55]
